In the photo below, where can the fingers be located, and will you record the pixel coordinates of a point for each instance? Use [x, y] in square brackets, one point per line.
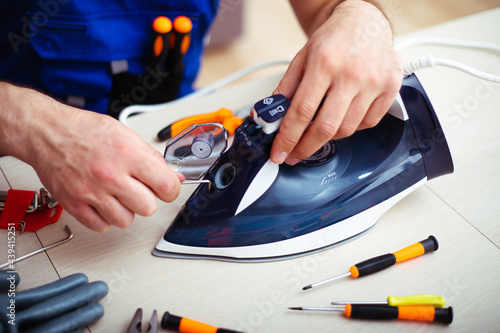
[330, 119]
[377, 110]
[87, 216]
[302, 109]
[158, 177]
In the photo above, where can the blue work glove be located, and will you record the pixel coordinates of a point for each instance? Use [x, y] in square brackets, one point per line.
[61, 306]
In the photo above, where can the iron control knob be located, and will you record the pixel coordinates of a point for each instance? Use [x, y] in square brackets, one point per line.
[269, 112]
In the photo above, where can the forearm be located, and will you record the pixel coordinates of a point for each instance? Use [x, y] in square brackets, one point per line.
[15, 120]
[31, 123]
[313, 13]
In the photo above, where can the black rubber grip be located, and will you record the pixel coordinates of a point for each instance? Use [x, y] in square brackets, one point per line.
[375, 264]
[374, 311]
[225, 330]
[170, 321]
[430, 244]
[165, 133]
[443, 315]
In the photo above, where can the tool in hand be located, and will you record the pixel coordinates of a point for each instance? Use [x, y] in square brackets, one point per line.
[185, 325]
[197, 181]
[136, 323]
[430, 300]
[379, 263]
[223, 116]
[420, 313]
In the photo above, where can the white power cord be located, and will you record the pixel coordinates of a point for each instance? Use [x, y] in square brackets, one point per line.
[410, 67]
[125, 113]
[429, 61]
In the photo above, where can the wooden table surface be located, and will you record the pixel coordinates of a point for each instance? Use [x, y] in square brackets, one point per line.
[461, 210]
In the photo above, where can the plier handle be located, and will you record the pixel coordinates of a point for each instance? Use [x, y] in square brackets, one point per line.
[223, 116]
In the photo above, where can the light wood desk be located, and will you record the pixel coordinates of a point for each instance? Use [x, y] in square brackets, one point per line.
[461, 210]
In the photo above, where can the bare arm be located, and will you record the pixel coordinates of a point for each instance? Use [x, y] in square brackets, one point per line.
[348, 63]
[100, 171]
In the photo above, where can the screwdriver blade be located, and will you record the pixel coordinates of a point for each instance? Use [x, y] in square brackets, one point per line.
[326, 281]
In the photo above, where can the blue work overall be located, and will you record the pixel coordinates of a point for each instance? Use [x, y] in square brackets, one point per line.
[66, 48]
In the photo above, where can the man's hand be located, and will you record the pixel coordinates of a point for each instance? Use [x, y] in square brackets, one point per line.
[99, 170]
[348, 65]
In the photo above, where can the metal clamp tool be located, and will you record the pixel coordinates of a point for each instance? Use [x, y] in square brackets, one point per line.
[40, 200]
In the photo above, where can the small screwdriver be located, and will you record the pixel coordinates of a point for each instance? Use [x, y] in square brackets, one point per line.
[421, 313]
[430, 300]
[379, 263]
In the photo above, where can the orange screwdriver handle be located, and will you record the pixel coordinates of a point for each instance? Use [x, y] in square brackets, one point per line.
[186, 325]
[427, 245]
[420, 313]
[384, 261]
[162, 27]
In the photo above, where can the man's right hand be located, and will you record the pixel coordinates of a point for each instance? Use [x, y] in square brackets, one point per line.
[99, 170]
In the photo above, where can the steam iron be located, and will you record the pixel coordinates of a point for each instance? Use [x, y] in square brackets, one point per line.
[256, 210]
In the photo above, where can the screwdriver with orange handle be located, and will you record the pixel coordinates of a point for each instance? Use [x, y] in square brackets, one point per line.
[180, 40]
[162, 28]
[379, 263]
[414, 312]
[223, 116]
[186, 325]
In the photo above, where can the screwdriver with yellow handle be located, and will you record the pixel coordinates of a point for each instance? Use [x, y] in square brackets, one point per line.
[430, 300]
[379, 263]
[419, 313]
[223, 116]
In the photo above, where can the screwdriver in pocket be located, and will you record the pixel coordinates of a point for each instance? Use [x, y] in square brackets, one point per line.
[160, 39]
[430, 300]
[420, 313]
[384, 261]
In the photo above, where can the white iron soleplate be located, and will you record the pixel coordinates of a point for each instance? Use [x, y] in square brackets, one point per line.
[285, 249]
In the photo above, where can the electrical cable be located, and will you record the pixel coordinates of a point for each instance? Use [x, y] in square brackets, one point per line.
[201, 92]
[410, 67]
[429, 61]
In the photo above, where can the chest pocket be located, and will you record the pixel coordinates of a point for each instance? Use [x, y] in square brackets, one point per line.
[76, 51]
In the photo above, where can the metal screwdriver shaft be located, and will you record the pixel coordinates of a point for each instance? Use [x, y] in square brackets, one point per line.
[326, 281]
[379, 263]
